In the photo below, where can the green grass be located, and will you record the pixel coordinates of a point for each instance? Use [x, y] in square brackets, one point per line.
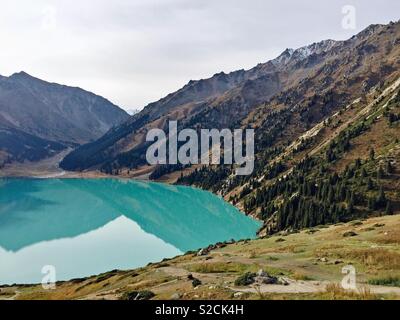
[390, 281]
[218, 267]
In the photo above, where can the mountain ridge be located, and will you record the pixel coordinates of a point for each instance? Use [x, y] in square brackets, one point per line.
[51, 112]
[318, 111]
[194, 98]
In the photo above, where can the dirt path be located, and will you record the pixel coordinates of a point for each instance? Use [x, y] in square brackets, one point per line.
[293, 286]
[309, 287]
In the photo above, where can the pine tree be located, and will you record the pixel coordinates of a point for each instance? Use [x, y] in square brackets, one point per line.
[363, 173]
[371, 203]
[331, 197]
[357, 164]
[389, 168]
[350, 207]
[380, 173]
[388, 209]
[381, 200]
[370, 184]
[372, 154]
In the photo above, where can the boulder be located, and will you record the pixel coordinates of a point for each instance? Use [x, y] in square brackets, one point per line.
[176, 296]
[264, 278]
[203, 252]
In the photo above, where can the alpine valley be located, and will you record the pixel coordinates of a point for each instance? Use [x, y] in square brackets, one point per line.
[326, 118]
[325, 188]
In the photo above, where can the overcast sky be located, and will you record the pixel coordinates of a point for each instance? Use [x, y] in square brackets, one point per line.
[134, 52]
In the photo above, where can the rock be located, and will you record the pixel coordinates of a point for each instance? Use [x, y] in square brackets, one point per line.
[338, 262]
[350, 234]
[323, 259]
[176, 296]
[261, 273]
[246, 279]
[203, 252]
[264, 278]
[237, 294]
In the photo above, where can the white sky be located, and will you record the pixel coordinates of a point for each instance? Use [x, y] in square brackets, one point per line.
[134, 52]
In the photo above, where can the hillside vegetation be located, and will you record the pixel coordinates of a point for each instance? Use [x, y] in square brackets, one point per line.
[308, 265]
[326, 152]
[326, 119]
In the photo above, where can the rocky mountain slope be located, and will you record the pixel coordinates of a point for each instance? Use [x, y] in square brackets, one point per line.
[327, 147]
[38, 118]
[218, 102]
[326, 118]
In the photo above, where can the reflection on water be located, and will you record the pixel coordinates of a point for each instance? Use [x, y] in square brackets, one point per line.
[85, 227]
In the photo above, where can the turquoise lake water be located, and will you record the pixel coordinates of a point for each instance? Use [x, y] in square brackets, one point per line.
[84, 227]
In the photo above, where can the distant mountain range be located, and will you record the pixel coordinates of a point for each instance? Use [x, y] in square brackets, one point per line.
[326, 119]
[220, 101]
[39, 119]
[334, 71]
[327, 125]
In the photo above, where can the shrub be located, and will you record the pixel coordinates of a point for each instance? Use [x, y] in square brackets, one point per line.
[196, 283]
[245, 279]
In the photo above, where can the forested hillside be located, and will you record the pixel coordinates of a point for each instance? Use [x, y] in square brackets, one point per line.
[326, 119]
[328, 148]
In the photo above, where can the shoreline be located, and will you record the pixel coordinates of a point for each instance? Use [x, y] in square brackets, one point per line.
[312, 272]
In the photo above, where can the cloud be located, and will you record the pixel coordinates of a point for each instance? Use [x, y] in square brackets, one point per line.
[135, 52]
[49, 19]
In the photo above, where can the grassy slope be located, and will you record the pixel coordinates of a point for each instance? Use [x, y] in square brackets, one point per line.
[310, 260]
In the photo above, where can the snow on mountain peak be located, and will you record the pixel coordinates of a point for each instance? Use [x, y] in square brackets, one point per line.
[303, 52]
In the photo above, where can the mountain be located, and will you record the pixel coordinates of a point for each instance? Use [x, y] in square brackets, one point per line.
[223, 100]
[326, 118]
[38, 118]
[327, 147]
[339, 70]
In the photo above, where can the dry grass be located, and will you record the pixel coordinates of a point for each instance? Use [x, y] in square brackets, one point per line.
[334, 291]
[376, 266]
[376, 257]
[389, 238]
[289, 249]
[301, 277]
[252, 254]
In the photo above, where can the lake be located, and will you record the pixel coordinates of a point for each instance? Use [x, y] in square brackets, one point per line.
[84, 227]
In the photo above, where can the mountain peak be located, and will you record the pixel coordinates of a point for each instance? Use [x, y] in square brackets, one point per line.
[20, 74]
[370, 30]
[303, 52]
